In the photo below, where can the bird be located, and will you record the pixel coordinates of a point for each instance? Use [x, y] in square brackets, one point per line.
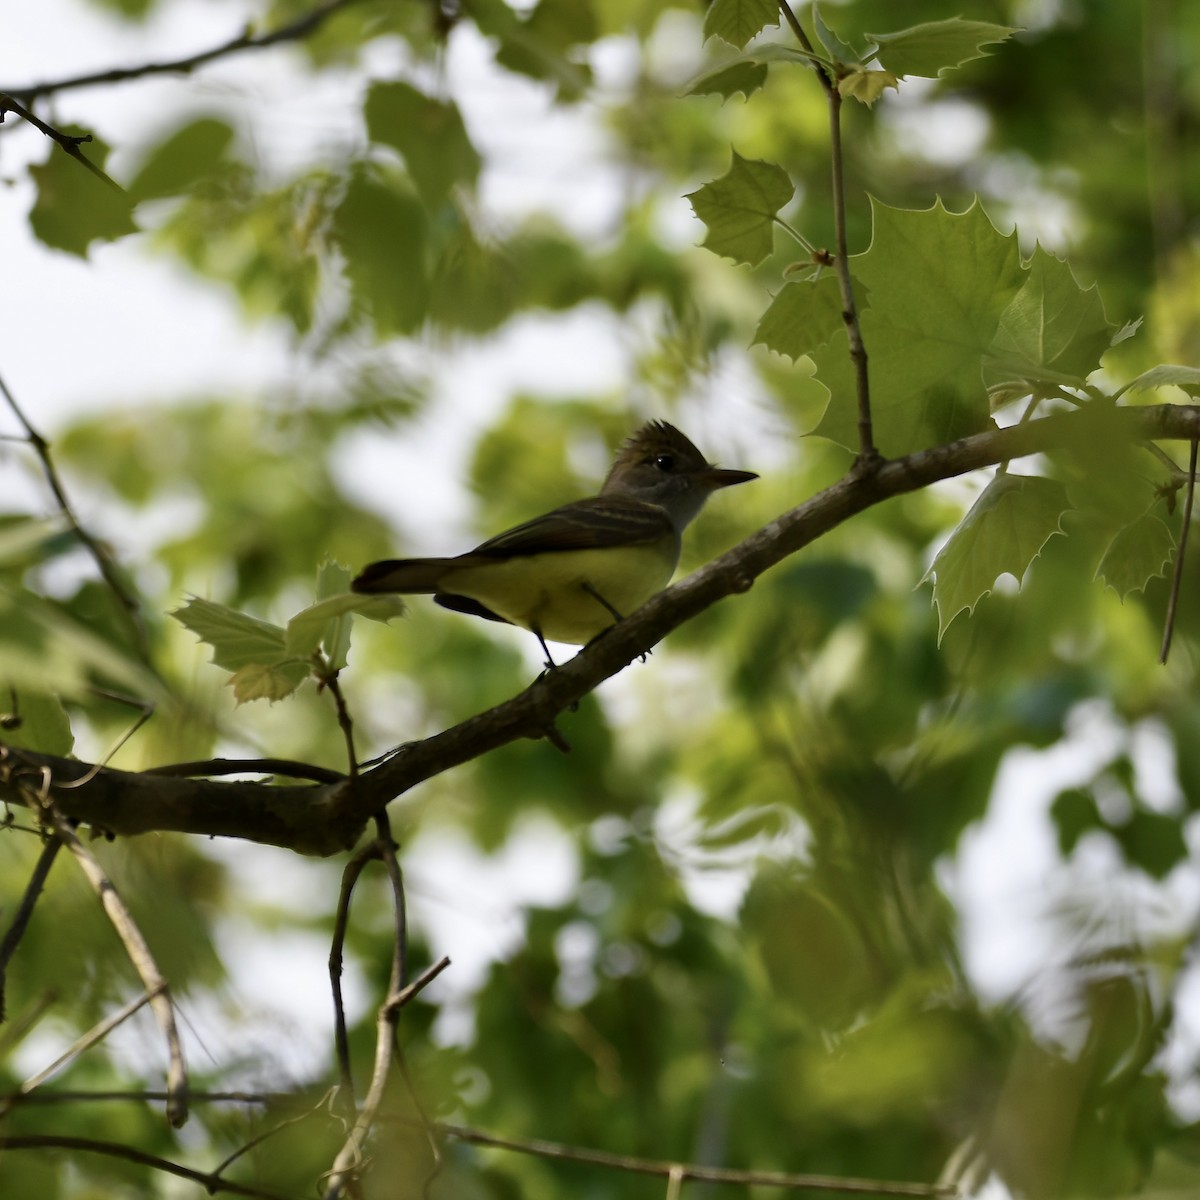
[572, 573]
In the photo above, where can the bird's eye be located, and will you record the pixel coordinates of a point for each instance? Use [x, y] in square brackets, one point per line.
[664, 462]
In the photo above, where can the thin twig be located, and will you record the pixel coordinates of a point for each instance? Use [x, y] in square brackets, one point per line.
[329, 680]
[299, 28]
[344, 1171]
[97, 1033]
[350, 873]
[70, 142]
[20, 921]
[345, 1166]
[141, 958]
[869, 457]
[695, 1171]
[103, 559]
[1177, 576]
[258, 1140]
[212, 1183]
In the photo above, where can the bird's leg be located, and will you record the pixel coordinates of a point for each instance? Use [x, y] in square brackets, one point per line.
[550, 663]
[595, 595]
[617, 616]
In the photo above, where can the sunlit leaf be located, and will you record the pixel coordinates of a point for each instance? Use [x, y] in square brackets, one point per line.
[866, 85]
[1168, 375]
[34, 720]
[267, 681]
[237, 639]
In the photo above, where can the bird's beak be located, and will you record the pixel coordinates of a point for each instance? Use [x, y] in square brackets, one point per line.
[719, 477]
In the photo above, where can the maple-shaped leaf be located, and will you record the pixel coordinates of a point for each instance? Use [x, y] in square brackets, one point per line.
[739, 209]
[938, 284]
[267, 681]
[237, 639]
[936, 46]
[866, 85]
[1167, 375]
[1052, 330]
[1004, 531]
[737, 21]
[804, 315]
[1139, 552]
[745, 77]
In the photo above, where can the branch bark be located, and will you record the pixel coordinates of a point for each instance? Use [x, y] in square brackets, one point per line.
[327, 818]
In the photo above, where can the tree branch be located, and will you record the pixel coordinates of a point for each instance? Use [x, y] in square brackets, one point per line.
[301, 27]
[327, 818]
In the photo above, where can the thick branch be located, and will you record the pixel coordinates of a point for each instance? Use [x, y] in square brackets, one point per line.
[327, 818]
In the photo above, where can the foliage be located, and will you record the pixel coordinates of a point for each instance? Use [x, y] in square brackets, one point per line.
[830, 748]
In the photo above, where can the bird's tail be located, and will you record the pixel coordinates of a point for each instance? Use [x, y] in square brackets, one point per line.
[407, 575]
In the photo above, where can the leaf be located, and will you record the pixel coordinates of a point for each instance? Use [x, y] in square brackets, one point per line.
[1139, 552]
[429, 133]
[937, 46]
[323, 622]
[866, 85]
[803, 316]
[1005, 530]
[35, 720]
[728, 75]
[181, 160]
[1167, 375]
[838, 50]
[237, 640]
[267, 681]
[938, 283]
[1052, 330]
[744, 77]
[737, 21]
[73, 207]
[380, 229]
[739, 208]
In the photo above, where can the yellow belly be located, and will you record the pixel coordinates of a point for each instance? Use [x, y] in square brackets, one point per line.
[546, 593]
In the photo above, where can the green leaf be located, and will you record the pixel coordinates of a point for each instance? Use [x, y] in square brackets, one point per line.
[35, 720]
[73, 207]
[190, 154]
[324, 622]
[1052, 330]
[744, 77]
[1074, 813]
[938, 283]
[267, 681]
[1005, 530]
[381, 232]
[838, 50]
[804, 315]
[429, 133]
[937, 46]
[737, 21]
[865, 85]
[1139, 552]
[237, 639]
[1152, 841]
[739, 208]
[1167, 375]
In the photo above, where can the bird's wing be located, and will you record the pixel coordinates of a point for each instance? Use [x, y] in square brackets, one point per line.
[586, 524]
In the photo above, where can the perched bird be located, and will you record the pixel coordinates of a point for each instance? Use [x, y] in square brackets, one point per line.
[570, 574]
